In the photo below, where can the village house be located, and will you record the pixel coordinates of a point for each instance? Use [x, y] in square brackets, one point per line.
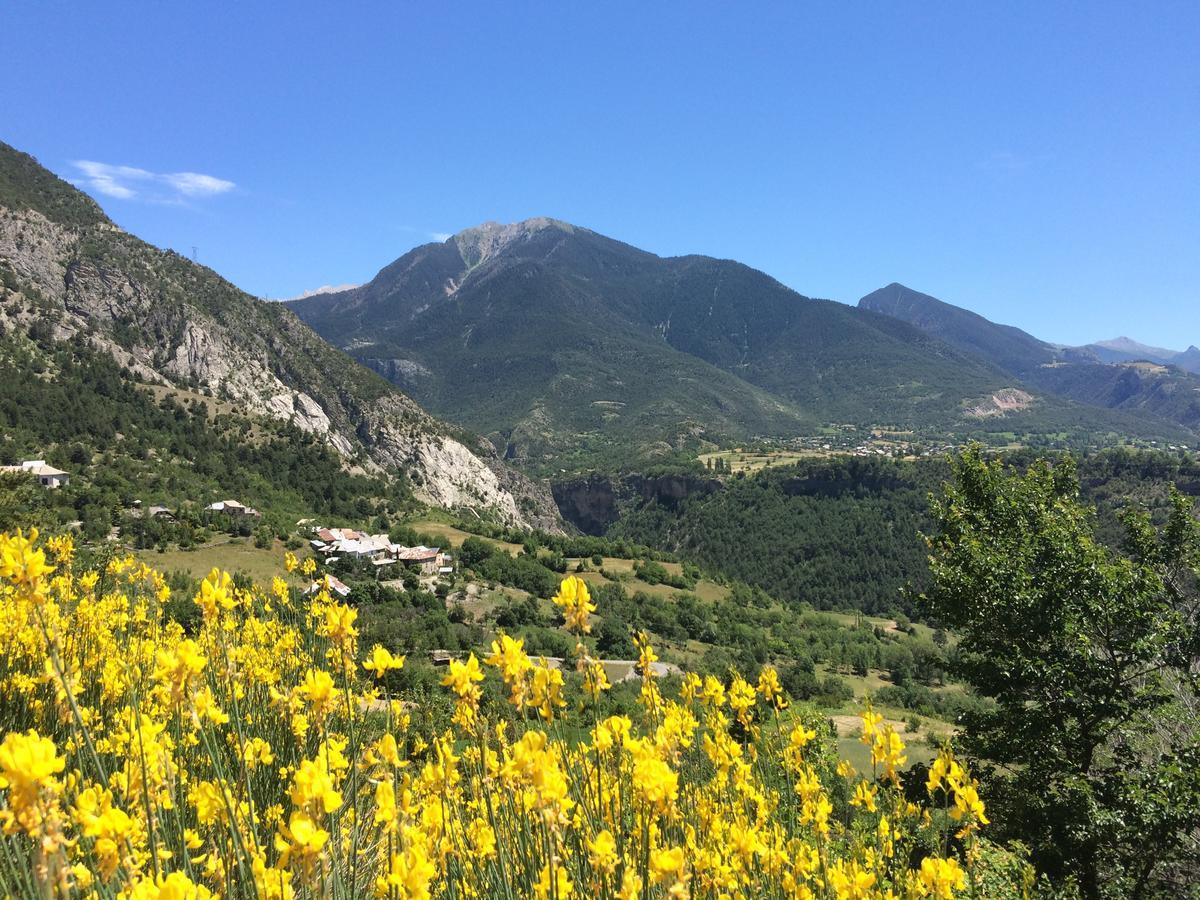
[47, 476]
[426, 559]
[330, 536]
[366, 546]
[137, 511]
[234, 509]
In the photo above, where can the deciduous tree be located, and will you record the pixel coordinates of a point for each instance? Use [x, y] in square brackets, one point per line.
[1090, 656]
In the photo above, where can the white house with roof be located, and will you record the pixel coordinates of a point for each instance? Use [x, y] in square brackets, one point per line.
[47, 476]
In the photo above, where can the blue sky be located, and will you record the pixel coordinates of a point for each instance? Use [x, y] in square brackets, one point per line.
[1036, 162]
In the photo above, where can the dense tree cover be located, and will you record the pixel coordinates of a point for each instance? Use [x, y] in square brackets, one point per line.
[23, 502]
[1113, 479]
[523, 571]
[844, 532]
[26, 185]
[566, 545]
[745, 630]
[1091, 658]
[119, 444]
[413, 620]
[841, 533]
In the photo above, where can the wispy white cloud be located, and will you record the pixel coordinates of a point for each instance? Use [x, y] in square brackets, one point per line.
[130, 183]
[438, 236]
[193, 184]
[324, 289]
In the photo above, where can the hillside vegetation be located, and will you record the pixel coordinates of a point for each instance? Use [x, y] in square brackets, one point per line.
[120, 444]
[342, 791]
[1148, 386]
[572, 350]
[70, 276]
[505, 773]
[844, 533]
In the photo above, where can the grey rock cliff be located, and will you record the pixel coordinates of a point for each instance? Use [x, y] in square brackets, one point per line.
[174, 323]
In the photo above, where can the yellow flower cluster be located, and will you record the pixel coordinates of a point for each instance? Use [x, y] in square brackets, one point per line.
[257, 757]
[574, 599]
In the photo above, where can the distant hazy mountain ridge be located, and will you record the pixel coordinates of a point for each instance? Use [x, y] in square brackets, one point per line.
[1125, 349]
[1117, 375]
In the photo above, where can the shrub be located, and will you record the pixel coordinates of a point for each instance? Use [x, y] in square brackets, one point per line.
[258, 758]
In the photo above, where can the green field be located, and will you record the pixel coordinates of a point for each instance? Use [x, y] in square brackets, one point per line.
[708, 591]
[455, 536]
[230, 554]
[850, 619]
[862, 685]
[481, 600]
[753, 460]
[625, 566]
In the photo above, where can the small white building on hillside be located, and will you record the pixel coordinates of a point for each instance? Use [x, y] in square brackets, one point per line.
[47, 476]
[234, 508]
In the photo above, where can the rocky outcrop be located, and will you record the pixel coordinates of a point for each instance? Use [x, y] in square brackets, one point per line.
[175, 323]
[595, 502]
[166, 345]
[671, 489]
[398, 371]
[478, 245]
[999, 403]
[590, 504]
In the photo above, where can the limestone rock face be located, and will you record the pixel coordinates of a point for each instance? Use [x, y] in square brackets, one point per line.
[477, 245]
[177, 324]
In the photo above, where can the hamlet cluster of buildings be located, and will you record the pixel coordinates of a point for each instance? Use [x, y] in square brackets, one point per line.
[338, 543]
[345, 543]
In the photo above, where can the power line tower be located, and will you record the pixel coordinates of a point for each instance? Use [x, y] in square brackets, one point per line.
[193, 253]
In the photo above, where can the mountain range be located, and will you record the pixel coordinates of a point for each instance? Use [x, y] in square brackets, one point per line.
[1125, 349]
[1116, 375]
[566, 347]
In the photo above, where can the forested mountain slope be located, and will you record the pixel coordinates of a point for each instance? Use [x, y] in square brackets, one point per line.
[845, 532]
[546, 335]
[72, 277]
[502, 330]
[1126, 377]
[1004, 346]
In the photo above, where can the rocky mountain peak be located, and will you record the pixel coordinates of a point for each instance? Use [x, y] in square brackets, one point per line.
[1125, 344]
[483, 242]
[181, 327]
